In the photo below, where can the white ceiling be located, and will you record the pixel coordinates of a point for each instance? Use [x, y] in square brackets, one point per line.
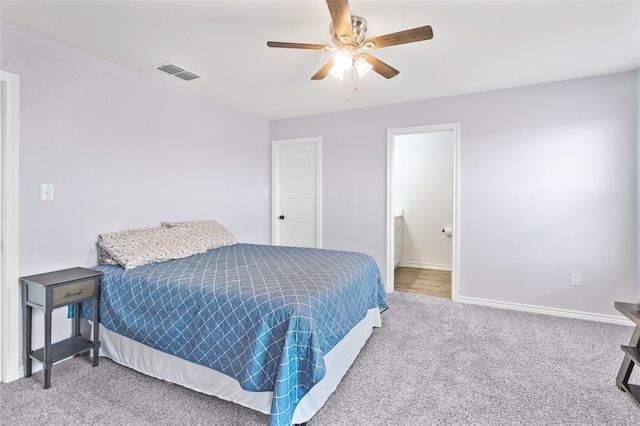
[477, 46]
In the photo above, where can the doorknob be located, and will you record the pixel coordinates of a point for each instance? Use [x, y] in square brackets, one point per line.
[281, 217]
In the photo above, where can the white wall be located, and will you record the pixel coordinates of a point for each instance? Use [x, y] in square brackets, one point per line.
[547, 187]
[547, 173]
[123, 151]
[423, 188]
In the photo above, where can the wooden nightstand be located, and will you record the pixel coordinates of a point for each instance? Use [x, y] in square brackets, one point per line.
[53, 290]
[631, 352]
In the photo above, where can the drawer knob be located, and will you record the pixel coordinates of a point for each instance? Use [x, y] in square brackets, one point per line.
[71, 293]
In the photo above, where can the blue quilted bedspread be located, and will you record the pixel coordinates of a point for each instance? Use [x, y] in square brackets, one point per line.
[264, 315]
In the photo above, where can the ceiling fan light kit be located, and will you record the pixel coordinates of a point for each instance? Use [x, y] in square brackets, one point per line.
[348, 33]
[336, 73]
[362, 66]
[343, 60]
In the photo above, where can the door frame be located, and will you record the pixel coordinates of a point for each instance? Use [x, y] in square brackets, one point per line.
[275, 184]
[9, 282]
[455, 237]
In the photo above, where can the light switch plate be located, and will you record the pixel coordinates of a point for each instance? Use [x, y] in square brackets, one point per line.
[46, 192]
[575, 279]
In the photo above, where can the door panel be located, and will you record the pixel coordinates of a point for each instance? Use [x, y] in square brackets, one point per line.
[296, 192]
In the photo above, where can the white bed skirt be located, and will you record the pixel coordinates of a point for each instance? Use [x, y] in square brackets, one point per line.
[155, 363]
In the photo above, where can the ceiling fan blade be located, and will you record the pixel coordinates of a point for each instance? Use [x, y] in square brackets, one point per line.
[322, 72]
[385, 70]
[341, 17]
[402, 37]
[300, 46]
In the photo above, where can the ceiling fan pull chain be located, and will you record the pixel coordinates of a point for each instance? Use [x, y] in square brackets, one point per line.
[347, 83]
[355, 81]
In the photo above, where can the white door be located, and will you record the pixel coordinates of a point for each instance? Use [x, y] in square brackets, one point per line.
[296, 193]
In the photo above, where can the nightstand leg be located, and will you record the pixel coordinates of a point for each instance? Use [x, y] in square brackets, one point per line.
[627, 364]
[96, 331]
[47, 350]
[27, 340]
[75, 327]
[75, 323]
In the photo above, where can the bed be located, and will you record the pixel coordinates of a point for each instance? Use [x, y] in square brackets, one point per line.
[272, 328]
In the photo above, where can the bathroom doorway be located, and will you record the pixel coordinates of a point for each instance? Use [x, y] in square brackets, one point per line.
[422, 209]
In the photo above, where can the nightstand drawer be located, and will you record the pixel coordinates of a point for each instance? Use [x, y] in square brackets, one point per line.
[71, 293]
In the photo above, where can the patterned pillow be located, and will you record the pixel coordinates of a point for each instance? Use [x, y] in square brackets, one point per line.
[138, 247]
[105, 258]
[208, 232]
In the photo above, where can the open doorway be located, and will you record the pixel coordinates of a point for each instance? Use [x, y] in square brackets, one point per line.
[422, 207]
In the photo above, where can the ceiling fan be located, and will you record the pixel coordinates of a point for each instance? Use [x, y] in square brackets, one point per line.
[348, 34]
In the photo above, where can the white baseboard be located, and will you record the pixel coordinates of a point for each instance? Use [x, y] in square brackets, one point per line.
[612, 319]
[436, 266]
[37, 365]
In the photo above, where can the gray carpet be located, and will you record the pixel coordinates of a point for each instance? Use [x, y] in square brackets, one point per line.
[432, 363]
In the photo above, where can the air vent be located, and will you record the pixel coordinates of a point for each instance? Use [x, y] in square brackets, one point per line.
[177, 71]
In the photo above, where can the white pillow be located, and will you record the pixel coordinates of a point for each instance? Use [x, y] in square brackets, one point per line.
[208, 232]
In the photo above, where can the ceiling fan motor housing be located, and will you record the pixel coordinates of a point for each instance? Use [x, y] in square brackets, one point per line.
[359, 31]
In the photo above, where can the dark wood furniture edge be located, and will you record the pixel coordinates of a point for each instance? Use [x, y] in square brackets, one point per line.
[629, 310]
[72, 346]
[631, 352]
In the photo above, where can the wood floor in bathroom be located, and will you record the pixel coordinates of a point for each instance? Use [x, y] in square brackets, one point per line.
[431, 282]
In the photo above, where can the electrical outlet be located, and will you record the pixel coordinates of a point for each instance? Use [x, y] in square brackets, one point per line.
[575, 279]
